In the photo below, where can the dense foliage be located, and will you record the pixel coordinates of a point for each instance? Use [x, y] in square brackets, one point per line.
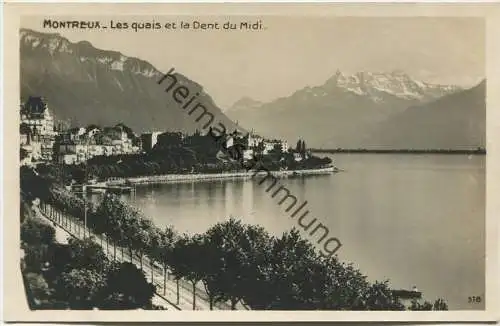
[77, 275]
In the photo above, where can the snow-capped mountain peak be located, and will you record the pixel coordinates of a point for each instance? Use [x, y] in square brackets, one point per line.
[395, 83]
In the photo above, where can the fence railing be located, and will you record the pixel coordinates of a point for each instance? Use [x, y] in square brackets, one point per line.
[177, 292]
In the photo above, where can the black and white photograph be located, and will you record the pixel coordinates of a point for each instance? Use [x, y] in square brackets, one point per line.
[220, 162]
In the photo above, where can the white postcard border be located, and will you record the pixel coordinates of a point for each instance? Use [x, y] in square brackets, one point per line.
[15, 306]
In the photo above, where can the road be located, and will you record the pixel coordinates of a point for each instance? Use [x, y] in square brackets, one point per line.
[172, 294]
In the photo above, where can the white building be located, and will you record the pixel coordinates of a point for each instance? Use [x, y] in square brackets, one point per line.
[284, 146]
[267, 147]
[92, 132]
[68, 159]
[35, 114]
[78, 146]
[254, 141]
[248, 154]
[229, 142]
[37, 130]
[297, 157]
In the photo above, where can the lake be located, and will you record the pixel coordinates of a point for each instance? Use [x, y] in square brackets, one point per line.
[413, 219]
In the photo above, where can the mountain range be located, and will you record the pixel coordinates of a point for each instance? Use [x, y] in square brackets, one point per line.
[372, 110]
[456, 121]
[86, 85]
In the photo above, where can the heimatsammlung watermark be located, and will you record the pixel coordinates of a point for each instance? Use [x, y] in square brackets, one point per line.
[218, 131]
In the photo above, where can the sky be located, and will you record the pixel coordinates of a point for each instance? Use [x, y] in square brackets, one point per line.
[290, 53]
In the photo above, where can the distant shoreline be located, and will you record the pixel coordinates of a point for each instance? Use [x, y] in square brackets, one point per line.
[478, 151]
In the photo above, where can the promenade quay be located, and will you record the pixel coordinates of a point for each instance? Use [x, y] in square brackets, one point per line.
[116, 189]
[102, 187]
[68, 230]
[177, 178]
[171, 294]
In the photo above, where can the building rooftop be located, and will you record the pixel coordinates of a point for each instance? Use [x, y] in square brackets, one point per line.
[34, 105]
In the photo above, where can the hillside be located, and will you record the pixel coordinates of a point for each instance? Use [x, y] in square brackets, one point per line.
[455, 121]
[245, 103]
[87, 85]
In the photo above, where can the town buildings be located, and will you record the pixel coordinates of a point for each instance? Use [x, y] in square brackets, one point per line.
[255, 145]
[265, 146]
[81, 144]
[37, 131]
[40, 142]
[36, 115]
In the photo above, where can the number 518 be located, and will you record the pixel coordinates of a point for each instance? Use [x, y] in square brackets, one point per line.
[474, 299]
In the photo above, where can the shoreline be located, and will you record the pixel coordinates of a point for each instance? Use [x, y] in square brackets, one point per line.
[178, 178]
[402, 151]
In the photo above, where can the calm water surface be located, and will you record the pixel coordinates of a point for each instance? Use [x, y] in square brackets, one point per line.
[413, 219]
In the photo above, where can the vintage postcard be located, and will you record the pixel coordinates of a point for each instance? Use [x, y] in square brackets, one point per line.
[287, 161]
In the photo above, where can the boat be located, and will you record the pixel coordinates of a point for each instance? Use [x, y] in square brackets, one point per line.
[94, 190]
[102, 188]
[414, 293]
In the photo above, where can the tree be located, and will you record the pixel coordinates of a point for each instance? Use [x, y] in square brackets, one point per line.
[298, 147]
[37, 237]
[303, 147]
[80, 288]
[260, 148]
[332, 292]
[35, 256]
[116, 216]
[256, 245]
[379, 296]
[24, 211]
[440, 304]
[167, 141]
[142, 238]
[38, 287]
[35, 231]
[160, 248]
[417, 306]
[212, 272]
[23, 153]
[127, 288]
[277, 150]
[238, 255]
[188, 260]
[32, 185]
[289, 278]
[130, 226]
[59, 258]
[86, 254]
